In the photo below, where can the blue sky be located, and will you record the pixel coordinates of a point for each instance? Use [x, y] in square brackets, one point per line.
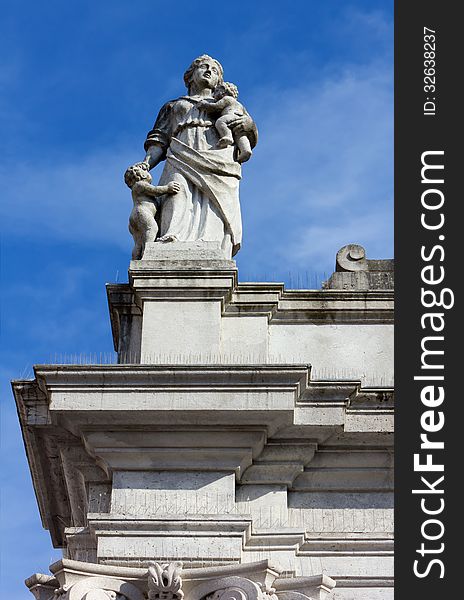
[81, 83]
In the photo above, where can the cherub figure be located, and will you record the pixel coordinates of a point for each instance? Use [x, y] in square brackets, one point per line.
[225, 101]
[142, 221]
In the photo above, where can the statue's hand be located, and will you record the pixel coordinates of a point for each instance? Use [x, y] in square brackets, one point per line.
[241, 125]
[142, 165]
[173, 187]
[206, 105]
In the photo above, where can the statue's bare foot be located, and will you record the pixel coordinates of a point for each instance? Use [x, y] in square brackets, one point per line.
[225, 141]
[167, 238]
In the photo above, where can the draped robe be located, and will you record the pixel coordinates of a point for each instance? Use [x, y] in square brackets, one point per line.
[207, 208]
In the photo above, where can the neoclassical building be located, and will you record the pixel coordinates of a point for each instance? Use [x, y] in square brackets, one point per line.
[240, 447]
[245, 432]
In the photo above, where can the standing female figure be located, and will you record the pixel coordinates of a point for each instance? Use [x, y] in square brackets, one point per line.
[206, 207]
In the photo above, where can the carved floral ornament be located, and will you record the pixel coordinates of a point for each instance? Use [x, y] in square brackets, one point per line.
[164, 581]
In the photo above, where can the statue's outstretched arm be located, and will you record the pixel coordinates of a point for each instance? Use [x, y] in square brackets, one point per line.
[215, 106]
[155, 154]
[146, 189]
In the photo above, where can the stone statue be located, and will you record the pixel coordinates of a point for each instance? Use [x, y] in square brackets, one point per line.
[142, 220]
[225, 100]
[203, 162]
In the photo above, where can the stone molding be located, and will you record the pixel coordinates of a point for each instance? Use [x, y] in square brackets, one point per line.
[317, 587]
[153, 282]
[283, 306]
[272, 300]
[281, 537]
[269, 422]
[74, 580]
[184, 255]
[217, 281]
[353, 271]
[210, 458]
[43, 587]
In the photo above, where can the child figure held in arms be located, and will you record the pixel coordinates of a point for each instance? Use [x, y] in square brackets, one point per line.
[142, 221]
[225, 101]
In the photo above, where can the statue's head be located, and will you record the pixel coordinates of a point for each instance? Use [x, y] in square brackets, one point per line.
[137, 173]
[225, 89]
[204, 72]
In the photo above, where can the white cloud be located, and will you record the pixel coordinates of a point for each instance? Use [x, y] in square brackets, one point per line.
[322, 174]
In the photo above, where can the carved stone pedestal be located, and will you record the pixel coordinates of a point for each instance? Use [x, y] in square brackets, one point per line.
[242, 423]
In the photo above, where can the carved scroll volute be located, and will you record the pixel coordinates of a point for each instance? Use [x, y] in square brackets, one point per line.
[293, 596]
[164, 581]
[103, 588]
[102, 595]
[227, 588]
[351, 258]
[229, 594]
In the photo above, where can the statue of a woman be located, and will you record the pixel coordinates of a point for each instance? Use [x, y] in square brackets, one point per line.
[206, 208]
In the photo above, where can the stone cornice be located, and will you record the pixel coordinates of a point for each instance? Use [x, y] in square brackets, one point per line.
[33, 413]
[271, 298]
[173, 375]
[154, 282]
[279, 305]
[263, 422]
[311, 306]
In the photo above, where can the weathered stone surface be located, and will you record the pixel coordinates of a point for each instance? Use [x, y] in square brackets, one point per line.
[182, 255]
[243, 422]
[206, 207]
[42, 586]
[164, 581]
[353, 271]
[253, 581]
[142, 221]
[203, 315]
[226, 464]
